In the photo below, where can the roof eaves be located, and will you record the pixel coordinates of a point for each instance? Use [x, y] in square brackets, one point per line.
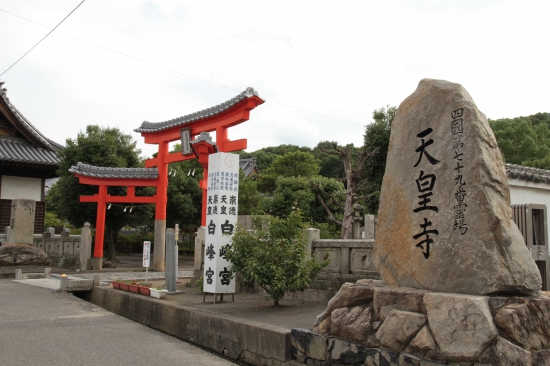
[527, 173]
[119, 173]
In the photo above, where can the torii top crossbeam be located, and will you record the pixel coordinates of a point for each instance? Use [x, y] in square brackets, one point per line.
[216, 119]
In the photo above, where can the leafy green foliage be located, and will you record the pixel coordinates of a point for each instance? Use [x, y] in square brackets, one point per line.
[292, 164]
[184, 195]
[295, 164]
[377, 135]
[297, 193]
[133, 243]
[331, 165]
[524, 140]
[274, 255]
[51, 220]
[249, 197]
[107, 147]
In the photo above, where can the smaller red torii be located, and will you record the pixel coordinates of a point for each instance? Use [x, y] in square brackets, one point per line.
[193, 132]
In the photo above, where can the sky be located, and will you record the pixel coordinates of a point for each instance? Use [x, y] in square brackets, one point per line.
[322, 67]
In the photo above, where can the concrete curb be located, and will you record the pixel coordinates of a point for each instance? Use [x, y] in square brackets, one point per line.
[239, 339]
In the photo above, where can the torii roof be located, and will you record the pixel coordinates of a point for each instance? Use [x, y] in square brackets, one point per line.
[119, 173]
[149, 127]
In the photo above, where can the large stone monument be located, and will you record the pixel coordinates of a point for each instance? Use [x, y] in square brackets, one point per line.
[459, 284]
[445, 220]
[21, 221]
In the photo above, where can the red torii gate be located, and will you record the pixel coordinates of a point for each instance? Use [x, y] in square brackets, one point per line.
[215, 119]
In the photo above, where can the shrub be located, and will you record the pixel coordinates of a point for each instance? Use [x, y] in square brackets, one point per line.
[127, 244]
[274, 255]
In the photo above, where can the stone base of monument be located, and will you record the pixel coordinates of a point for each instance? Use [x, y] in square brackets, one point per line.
[22, 255]
[369, 323]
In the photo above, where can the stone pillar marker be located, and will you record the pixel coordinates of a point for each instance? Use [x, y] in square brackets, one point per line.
[159, 250]
[171, 260]
[199, 253]
[85, 246]
[445, 220]
[22, 221]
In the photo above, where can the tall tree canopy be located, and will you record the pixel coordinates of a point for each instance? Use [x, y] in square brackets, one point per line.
[377, 136]
[99, 146]
[524, 140]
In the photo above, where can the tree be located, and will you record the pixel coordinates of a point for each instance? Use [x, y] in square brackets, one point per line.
[292, 164]
[377, 136]
[99, 146]
[184, 196]
[331, 165]
[353, 183]
[523, 142]
[249, 197]
[274, 255]
[295, 164]
[297, 193]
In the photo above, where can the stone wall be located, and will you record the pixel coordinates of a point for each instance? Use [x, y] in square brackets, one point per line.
[350, 260]
[65, 250]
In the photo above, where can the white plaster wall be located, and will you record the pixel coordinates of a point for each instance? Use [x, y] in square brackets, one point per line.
[522, 191]
[528, 192]
[21, 187]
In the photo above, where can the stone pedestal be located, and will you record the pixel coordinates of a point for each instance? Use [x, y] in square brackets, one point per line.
[441, 327]
[22, 221]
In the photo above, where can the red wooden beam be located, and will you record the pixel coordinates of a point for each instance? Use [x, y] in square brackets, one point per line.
[119, 199]
[170, 158]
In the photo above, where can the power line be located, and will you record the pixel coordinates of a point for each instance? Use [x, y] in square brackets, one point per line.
[54, 28]
[164, 67]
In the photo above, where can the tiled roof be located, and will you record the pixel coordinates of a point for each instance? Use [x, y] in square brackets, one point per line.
[212, 111]
[247, 165]
[43, 140]
[22, 151]
[527, 173]
[121, 173]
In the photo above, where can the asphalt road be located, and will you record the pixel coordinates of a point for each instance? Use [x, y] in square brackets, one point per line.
[41, 327]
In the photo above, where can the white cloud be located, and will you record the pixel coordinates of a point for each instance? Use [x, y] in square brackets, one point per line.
[337, 59]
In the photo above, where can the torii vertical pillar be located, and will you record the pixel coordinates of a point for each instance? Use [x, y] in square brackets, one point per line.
[159, 254]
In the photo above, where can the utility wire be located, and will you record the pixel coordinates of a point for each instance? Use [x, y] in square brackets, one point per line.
[54, 28]
[164, 67]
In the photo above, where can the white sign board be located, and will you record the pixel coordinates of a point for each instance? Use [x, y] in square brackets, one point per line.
[146, 254]
[221, 220]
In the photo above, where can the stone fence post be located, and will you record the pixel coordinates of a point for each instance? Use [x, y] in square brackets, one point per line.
[85, 246]
[311, 234]
[199, 254]
[370, 225]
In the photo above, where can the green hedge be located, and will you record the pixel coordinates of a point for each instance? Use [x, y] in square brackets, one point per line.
[127, 244]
